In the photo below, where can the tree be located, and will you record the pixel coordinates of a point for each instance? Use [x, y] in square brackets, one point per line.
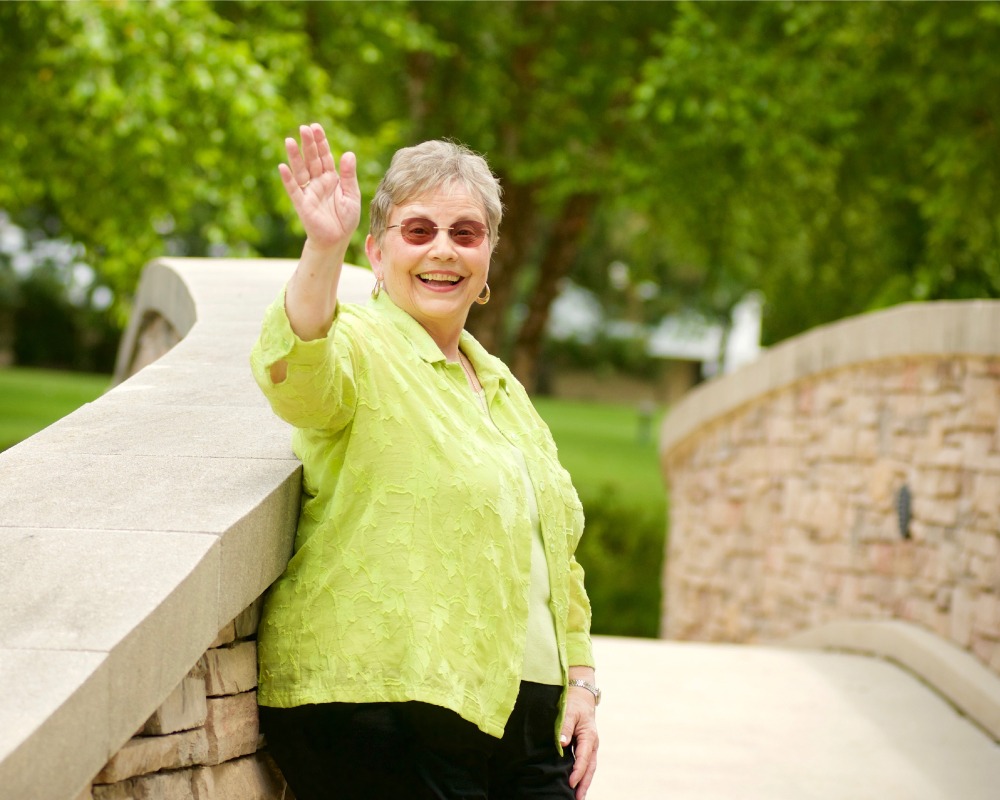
[531, 85]
[140, 127]
[841, 157]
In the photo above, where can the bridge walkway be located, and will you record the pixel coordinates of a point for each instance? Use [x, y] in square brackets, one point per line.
[690, 721]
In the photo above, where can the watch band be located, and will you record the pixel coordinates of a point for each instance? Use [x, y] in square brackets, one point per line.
[589, 687]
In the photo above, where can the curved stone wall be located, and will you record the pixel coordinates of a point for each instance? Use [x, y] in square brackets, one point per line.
[852, 473]
[134, 534]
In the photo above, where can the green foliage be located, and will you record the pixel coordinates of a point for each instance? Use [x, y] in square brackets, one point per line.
[31, 399]
[837, 156]
[130, 124]
[54, 309]
[52, 331]
[605, 354]
[622, 555]
[616, 471]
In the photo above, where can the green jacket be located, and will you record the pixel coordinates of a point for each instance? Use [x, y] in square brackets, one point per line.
[410, 573]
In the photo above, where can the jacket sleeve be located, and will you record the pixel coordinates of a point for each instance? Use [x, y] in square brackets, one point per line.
[319, 390]
[579, 652]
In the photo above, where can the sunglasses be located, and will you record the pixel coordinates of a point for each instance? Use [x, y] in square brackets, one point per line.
[465, 232]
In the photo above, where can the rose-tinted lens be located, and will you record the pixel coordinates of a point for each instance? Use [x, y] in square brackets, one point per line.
[417, 230]
[468, 232]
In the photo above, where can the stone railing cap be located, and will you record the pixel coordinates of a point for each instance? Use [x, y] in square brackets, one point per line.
[944, 328]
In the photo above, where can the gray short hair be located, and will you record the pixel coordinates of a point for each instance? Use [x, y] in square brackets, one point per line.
[431, 165]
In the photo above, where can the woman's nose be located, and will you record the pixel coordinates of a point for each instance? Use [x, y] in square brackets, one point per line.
[442, 245]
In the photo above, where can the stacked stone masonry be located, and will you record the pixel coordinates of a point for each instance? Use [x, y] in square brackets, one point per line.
[784, 512]
[203, 742]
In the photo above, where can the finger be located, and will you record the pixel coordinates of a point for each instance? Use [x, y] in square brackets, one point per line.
[296, 162]
[585, 755]
[323, 147]
[577, 713]
[292, 188]
[349, 176]
[310, 152]
[584, 786]
[568, 726]
[580, 764]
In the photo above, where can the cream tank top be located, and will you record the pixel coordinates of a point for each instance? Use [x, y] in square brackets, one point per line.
[541, 651]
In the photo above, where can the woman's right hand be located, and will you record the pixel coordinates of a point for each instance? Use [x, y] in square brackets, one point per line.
[329, 205]
[327, 202]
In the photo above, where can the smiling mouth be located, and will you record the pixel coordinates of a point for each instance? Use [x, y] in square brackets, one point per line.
[440, 279]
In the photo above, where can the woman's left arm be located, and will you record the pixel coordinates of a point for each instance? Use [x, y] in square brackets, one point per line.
[580, 728]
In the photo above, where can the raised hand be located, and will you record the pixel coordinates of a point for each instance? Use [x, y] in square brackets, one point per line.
[327, 202]
[329, 205]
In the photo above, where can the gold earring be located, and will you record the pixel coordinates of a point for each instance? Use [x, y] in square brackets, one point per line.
[378, 289]
[483, 299]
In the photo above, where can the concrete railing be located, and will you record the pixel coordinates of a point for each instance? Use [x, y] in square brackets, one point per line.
[136, 530]
[851, 475]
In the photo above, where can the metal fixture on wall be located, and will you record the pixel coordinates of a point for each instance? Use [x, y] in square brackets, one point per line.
[903, 514]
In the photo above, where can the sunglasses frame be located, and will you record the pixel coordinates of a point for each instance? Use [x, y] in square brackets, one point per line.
[482, 230]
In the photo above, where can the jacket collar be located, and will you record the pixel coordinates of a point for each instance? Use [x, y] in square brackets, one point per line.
[489, 369]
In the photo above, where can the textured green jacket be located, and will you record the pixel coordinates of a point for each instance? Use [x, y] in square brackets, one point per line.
[409, 578]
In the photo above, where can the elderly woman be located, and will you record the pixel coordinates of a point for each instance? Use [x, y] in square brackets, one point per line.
[430, 635]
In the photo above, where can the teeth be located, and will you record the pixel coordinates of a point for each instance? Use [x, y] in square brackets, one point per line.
[439, 276]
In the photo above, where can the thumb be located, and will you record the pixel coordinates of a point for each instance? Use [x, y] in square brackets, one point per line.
[568, 726]
[349, 175]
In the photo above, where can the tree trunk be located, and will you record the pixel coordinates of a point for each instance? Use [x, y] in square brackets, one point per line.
[6, 337]
[520, 226]
[560, 254]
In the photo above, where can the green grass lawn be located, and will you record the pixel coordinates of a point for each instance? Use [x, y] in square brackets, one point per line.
[600, 445]
[32, 399]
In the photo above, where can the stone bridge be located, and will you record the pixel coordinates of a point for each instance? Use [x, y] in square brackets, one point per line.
[137, 534]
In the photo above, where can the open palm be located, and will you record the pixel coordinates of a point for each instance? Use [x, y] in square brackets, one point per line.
[327, 202]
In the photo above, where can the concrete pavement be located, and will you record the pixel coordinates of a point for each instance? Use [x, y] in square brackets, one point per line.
[735, 722]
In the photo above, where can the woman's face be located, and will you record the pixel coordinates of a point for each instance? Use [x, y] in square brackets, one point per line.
[435, 283]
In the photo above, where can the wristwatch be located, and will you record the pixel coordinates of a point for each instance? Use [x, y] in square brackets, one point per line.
[589, 687]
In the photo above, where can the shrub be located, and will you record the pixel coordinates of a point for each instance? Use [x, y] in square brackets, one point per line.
[622, 555]
[610, 354]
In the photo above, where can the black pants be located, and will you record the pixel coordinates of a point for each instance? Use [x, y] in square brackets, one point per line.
[398, 751]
